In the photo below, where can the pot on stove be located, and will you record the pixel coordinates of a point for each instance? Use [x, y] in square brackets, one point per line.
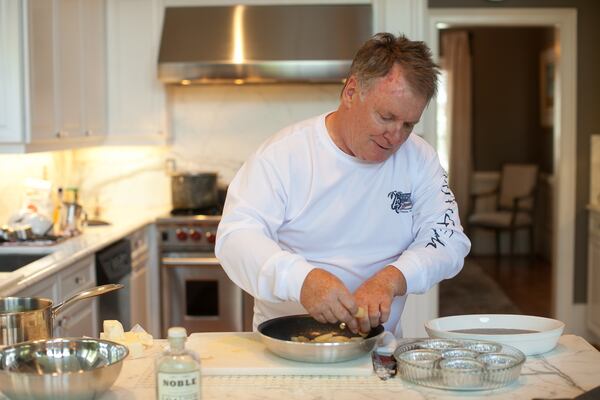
[194, 191]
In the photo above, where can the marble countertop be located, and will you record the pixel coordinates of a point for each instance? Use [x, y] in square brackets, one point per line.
[567, 371]
[71, 250]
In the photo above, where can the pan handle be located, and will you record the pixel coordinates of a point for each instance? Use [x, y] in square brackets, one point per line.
[93, 292]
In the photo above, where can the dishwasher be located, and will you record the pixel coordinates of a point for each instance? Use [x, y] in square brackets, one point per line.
[113, 265]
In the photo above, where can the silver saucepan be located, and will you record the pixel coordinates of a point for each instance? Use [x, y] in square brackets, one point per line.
[276, 334]
[31, 318]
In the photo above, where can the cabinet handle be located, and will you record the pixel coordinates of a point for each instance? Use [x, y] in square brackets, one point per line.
[61, 134]
[78, 280]
[89, 133]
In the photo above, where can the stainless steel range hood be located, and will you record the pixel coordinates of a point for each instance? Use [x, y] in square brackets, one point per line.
[261, 44]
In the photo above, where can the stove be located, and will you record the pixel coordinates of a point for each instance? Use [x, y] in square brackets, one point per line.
[195, 232]
[36, 241]
[196, 292]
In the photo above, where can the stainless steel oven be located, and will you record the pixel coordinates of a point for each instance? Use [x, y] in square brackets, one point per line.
[196, 292]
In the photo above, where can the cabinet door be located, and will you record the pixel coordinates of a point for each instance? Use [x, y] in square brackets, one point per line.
[42, 69]
[79, 321]
[11, 78]
[47, 288]
[136, 106]
[69, 62]
[93, 16]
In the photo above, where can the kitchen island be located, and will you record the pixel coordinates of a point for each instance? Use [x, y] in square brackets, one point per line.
[570, 369]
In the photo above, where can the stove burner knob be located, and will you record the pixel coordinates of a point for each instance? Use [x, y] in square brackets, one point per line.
[195, 235]
[211, 237]
[181, 235]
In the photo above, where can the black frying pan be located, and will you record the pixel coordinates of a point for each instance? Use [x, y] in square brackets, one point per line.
[276, 334]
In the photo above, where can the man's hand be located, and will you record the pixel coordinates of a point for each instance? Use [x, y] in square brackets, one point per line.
[375, 296]
[327, 299]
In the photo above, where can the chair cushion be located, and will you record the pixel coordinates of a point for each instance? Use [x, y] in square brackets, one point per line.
[517, 180]
[499, 219]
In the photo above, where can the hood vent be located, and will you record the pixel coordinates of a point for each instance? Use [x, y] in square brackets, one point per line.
[261, 44]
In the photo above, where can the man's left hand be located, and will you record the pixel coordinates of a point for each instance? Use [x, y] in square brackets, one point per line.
[375, 296]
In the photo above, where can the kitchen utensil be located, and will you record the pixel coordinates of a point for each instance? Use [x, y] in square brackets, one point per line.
[23, 232]
[40, 224]
[71, 219]
[194, 191]
[30, 318]
[530, 334]
[245, 354]
[7, 234]
[276, 334]
[429, 362]
[65, 369]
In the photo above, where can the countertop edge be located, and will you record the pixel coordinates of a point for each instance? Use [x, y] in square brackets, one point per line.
[70, 251]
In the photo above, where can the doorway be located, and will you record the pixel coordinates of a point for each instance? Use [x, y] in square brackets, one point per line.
[563, 118]
[496, 78]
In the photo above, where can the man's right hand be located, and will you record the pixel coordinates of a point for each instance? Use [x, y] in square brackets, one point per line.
[327, 299]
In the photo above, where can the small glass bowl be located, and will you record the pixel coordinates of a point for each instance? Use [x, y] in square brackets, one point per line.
[500, 367]
[459, 353]
[462, 372]
[419, 364]
[439, 344]
[485, 347]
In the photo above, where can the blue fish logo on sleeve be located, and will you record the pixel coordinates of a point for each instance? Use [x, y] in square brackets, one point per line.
[401, 202]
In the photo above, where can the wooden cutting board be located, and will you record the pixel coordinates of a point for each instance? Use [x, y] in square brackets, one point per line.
[243, 353]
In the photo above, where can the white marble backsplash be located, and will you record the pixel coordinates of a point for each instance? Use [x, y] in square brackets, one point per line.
[214, 128]
[595, 170]
[218, 127]
[109, 179]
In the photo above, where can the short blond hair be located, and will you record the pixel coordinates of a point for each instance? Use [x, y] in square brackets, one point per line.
[378, 55]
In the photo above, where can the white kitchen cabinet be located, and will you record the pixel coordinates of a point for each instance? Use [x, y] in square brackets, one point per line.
[47, 289]
[80, 318]
[80, 321]
[136, 106]
[593, 304]
[53, 78]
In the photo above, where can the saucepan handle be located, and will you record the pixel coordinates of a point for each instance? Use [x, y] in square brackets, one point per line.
[93, 292]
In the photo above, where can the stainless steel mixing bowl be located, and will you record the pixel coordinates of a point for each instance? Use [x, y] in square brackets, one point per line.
[64, 368]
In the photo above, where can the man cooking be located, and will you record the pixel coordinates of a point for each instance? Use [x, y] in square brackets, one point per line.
[347, 211]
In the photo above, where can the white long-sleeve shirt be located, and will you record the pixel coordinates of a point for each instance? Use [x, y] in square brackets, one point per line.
[300, 202]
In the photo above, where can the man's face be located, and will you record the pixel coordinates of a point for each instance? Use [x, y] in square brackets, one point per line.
[382, 118]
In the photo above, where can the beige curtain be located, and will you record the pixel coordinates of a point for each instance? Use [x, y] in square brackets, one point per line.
[457, 63]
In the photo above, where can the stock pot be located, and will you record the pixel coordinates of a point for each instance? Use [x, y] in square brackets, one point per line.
[194, 191]
[31, 318]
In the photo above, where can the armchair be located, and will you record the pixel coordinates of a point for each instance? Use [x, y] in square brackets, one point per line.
[515, 204]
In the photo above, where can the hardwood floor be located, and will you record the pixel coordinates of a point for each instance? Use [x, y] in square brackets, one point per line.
[526, 281]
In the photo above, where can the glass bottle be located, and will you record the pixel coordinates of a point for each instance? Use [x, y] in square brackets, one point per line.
[177, 370]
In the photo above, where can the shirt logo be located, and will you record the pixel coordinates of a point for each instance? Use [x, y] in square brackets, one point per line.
[400, 202]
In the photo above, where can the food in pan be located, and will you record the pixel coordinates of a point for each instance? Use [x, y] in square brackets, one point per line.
[331, 337]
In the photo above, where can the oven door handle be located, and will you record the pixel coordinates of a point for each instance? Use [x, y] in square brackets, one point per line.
[188, 261]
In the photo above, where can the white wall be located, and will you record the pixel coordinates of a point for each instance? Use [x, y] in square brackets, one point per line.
[218, 127]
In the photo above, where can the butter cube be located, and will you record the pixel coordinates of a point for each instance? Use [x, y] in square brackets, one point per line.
[136, 349]
[146, 339]
[113, 329]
